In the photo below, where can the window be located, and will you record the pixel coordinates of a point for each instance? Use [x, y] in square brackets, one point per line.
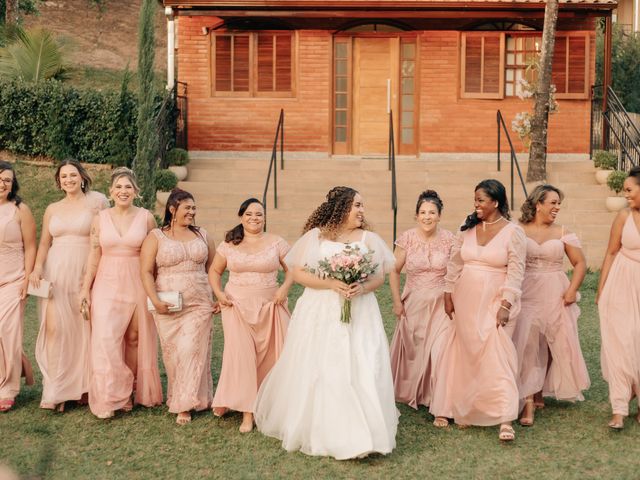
[252, 64]
[489, 72]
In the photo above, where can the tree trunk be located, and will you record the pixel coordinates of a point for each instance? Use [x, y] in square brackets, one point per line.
[11, 12]
[538, 150]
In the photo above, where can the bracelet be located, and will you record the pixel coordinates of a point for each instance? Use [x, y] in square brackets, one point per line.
[507, 309]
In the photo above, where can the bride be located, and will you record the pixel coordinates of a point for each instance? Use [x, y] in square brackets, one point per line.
[331, 391]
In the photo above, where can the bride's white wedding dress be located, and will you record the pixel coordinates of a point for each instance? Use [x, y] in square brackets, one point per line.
[331, 391]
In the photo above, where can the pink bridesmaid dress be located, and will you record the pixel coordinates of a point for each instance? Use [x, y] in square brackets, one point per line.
[421, 334]
[117, 296]
[12, 277]
[254, 327]
[546, 334]
[185, 336]
[64, 357]
[619, 309]
[480, 363]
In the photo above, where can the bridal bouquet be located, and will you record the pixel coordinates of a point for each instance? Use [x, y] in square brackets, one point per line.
[349, 266]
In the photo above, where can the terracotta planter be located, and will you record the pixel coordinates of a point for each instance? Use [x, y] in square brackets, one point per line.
[181, 172]
[602, 175]
[162, 197]
[615, 203]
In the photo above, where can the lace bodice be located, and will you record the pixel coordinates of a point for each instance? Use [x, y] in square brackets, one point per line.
[260, 268]
[548, 256]
[175, 257]
[426, 262]
[630, 239]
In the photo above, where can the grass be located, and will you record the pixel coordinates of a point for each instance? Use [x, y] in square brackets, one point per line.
[567, 440]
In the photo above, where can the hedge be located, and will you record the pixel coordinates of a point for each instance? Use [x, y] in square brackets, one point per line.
[56, 120]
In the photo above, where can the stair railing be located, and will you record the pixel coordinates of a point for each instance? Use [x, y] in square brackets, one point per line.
[623, 135]
[514, 159]
[392, 168]
[273, 167]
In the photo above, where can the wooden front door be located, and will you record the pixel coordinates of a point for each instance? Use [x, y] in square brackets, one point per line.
[372, 74]
[375, 84]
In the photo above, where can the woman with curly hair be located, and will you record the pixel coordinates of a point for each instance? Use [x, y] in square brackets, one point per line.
[331, 391]
[482, 297]
[546, 332]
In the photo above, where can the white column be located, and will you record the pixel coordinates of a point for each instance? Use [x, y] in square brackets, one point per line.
[171, 47]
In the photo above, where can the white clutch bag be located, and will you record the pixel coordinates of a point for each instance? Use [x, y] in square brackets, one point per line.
[174, 298]
[43, 291]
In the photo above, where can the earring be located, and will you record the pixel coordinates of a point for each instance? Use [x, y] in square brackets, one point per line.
[82, 185]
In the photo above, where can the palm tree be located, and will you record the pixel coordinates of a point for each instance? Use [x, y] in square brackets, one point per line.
[32, 56]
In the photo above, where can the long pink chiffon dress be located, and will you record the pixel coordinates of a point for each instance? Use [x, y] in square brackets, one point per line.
[12, 276]
[421, 334]
[254, 327]
[546, 333]
[185, 336]
[619, 309]
[117, 296]
[63, 358]
[480, 363]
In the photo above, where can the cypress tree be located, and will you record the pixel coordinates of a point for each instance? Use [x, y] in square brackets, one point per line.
[145, 162]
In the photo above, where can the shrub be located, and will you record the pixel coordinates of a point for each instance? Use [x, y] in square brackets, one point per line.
[605, 159]
[165, 180]
[616, 180]
[178, 157]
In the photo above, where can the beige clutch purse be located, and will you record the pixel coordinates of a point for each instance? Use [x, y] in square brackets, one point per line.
[174, 298]
[43, 291]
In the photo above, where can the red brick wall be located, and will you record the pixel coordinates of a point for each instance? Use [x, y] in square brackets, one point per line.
[447, 123]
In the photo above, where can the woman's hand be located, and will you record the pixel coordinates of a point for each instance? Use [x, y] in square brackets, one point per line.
[339, 287]
[35, 277]
[356, 289]
[502, 317]
[224, 301]
[216, 308]
[570, 296]
[163, 307]
[24, 288]
[398, 309]
[448, 305]
[281, 296]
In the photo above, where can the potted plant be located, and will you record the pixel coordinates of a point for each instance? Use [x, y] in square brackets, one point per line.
[165, 181]
[615, 182]
[178, 159]
[605, 162]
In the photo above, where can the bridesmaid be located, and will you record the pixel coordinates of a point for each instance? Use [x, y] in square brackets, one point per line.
[181, 254]
[546, 332]
[423, 328]
[62, 347]
[619, 305]
[17, 255]
[123, 335]
[482, 292]
[254, 309]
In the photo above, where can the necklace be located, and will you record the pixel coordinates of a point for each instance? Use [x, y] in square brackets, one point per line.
[484, 224]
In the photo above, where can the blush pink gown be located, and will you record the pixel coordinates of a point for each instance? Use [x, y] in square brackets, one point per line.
[12, 276]
[254, 327]
[185, 336]
[546, 334]
[64, 357]
[421, 334]
[116, 296]
[619, 309]
[480, 363]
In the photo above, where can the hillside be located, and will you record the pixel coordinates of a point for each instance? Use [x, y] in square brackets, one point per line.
[100, 37]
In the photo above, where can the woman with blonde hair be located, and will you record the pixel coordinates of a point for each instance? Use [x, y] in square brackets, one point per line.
[331, 391]
[62, 347]
[17, 255]
[546, 332]
[174, 260]
[124, 365]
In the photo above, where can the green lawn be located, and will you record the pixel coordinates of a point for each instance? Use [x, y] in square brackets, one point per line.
[567, 440]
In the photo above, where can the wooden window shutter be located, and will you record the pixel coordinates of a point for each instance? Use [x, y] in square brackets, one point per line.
[283, 63]
[482, 69]
[265, 62]
[241, 63]
[223, 63]
[232, 63]
[274, 62]
[571, 66]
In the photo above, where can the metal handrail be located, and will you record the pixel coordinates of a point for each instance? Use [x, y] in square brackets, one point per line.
[273, 166]
[626, 133]
[514, 158]
[392, 168]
